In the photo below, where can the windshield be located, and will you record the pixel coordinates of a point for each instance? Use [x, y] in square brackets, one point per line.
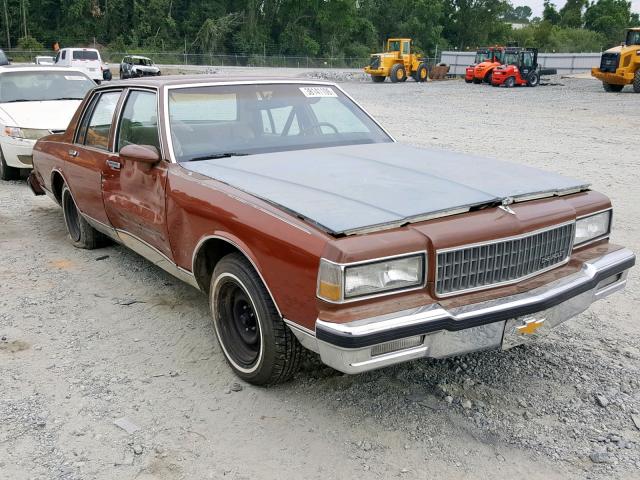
[482, 56]
[213, 121]
[393, 46]
[633, 37]
[85, 55]
[45, 85]
[510, 59]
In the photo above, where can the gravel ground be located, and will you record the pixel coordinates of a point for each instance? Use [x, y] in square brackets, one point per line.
[110, 368]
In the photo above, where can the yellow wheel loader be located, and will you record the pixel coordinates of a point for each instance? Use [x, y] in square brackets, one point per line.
[397, 62]
[620, 66]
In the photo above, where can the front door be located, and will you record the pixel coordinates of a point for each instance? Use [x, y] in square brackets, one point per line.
[134, 192]
[526, 64]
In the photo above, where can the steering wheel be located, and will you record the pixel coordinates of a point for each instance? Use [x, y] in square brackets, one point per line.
[320, 124]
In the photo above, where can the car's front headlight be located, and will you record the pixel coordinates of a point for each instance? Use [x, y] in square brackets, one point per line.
[592, 227]
[26, 133]
[339, 283]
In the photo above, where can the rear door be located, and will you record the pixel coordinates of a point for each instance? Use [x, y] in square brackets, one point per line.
[134, 192]
[89, 151]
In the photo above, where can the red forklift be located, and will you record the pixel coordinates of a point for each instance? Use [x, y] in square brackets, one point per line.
[486, 58]
[520, 67]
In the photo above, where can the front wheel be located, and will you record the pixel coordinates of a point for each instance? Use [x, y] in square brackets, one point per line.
[81, 234]
[7, 172]
[612, 87]
[510, 82]
[378, 78]
[636, 82]
[533, 80]
[398, 73]
[421, 73]
[255, 341]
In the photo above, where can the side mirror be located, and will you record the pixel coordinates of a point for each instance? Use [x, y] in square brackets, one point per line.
[141, 153]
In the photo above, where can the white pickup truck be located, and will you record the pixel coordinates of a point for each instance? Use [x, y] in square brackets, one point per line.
[87, 59]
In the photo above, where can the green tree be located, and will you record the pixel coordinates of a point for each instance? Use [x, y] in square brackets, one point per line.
[610, 18]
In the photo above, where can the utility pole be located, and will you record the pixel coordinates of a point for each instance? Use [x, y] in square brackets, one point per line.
[6, 24]
[24, 17]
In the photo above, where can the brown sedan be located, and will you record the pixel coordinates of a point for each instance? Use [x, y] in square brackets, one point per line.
[309, 226]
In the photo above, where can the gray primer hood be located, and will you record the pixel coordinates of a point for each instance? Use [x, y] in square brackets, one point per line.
[366, 187]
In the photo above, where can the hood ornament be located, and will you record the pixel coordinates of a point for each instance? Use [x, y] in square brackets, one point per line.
[505, 205]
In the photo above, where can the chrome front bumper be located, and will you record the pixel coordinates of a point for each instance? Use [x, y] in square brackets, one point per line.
[435, 332]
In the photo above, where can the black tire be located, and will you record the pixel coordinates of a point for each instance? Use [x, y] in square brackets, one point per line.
[636, 82]
[510, 82]
[7, 172]
[476, 81]
[378, 78]
[533, 80]
[612, 87]
[81, 234]
[421, 73]
[487, 78]
[255, 341]
[106, 75]
[467, 81]
[398, 73]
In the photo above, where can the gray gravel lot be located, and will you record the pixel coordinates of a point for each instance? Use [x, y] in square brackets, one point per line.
[91, 337]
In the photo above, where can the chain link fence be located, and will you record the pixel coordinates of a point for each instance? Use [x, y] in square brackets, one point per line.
[199, 59]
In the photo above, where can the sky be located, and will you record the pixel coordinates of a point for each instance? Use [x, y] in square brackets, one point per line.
[538, 5]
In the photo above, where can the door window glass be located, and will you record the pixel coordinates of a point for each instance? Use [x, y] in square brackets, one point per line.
[139, 123]
[405, 48]
[97, 134]
[64, 54]
[528, 59]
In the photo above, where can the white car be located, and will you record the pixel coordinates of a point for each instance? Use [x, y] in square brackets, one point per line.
[44, 60]
[35, 101]
[87, 59]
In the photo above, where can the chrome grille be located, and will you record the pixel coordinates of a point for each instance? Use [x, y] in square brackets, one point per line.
[503, 261]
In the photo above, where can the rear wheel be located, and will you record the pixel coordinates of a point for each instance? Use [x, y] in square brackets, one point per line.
[256, 343]
[476, 81]
[421, 73]
[81, 234]
[510, 82]
[378, 78]
[466, 80]
[533, 80]
[636, 82]
[7, 172]
[612, 87]
[398, 73]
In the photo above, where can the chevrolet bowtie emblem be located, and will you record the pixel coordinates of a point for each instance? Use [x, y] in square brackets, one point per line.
[505, 205]
[530, 326]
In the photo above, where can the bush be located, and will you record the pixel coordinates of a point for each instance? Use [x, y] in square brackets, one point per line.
[29, 43]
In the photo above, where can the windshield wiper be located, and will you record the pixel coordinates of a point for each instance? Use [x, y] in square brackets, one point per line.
[214, 156]
[18, 100]
[66, 98]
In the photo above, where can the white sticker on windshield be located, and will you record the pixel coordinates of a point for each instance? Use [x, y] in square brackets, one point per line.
[69, 77]
[318, 92]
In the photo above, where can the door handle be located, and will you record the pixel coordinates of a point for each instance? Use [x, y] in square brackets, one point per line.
[113, 165]
[73, 153]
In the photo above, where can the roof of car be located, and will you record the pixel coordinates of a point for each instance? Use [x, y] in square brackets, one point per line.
[176, 80]
[137, 56]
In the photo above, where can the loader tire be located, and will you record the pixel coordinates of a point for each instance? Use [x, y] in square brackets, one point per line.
[378, 78]
[421, 73]
[533, 80]
[636, 82]
[612, 87]
[398, 73]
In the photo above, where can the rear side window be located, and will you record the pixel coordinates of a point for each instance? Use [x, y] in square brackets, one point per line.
[96, 130]
[139, 123]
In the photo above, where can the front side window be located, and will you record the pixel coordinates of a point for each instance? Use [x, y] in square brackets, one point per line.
[99, 126]
[405, 48]
[211, 121]
[528, 59]
[139, 123]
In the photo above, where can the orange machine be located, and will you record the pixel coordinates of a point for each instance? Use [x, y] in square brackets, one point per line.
[483, 71]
